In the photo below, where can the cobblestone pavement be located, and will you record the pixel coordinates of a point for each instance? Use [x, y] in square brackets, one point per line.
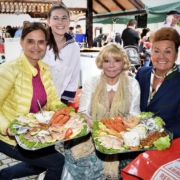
[6, 161]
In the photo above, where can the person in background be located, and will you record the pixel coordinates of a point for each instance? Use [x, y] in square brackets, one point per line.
[130, 36]
[132, 71]
[145, 54]
[7, 35]
[172, 18]
[139, 31]
[118, 38]
[78, 29]
[23, 81]
[19, 31]
[105, 95]
[161, 84]
[1, 40]
[99, 41]
[141, 45]
[11, 31]
[62, 53]
[144, 32]
[71, 32]
[108, 40]
[150, 33]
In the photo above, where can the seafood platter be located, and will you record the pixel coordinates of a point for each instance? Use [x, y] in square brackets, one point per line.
[36, 131]
[128, 134]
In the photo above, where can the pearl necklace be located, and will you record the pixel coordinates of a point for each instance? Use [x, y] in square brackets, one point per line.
[159, 77]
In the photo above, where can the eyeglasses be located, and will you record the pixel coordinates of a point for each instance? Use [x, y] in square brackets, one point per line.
[63, 19]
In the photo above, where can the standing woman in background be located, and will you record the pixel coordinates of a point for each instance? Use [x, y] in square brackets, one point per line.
[118, 38]
[62, 54]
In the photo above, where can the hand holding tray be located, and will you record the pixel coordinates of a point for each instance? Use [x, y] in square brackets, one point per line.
[140, 133]
[33, 135]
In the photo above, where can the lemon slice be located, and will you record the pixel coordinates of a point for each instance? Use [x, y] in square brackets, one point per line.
[34, 133]
[51, 141]
[122, 133]
[30, 124]
[75, 134]
[102, 126]
[102, 134]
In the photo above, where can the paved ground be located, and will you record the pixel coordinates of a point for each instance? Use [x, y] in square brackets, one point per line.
[6, 161]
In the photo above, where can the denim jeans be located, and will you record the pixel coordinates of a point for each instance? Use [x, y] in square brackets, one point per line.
[33, 162]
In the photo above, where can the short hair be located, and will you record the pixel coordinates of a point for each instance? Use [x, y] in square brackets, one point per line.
[78, 26]
[71, 28]
[114, 50]
[166, 33]
[139, 30]
[8, 27]
[132, 22]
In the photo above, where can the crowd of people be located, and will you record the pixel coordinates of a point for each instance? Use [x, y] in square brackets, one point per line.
[48, 70]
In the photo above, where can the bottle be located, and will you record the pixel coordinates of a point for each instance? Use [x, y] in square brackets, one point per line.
[85, 42]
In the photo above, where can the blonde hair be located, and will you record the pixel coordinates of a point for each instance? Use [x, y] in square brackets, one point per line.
[139, 31]
[114, 50]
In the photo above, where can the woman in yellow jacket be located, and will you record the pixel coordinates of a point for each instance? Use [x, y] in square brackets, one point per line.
[23, 81]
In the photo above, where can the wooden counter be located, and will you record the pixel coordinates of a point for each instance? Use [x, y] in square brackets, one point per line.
[94, 49]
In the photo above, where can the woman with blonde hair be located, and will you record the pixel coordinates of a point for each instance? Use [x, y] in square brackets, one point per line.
[105, 95]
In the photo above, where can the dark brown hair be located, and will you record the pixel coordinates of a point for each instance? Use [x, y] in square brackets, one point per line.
[132, 22]
[32, 26]
[51, 40]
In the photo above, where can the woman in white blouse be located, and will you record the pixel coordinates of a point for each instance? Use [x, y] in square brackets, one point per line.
[62, 53]
[106, 95]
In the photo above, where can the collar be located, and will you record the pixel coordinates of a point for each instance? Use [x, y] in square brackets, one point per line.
[171, 71]
[30, 67]
[69, 39]
[114, 87]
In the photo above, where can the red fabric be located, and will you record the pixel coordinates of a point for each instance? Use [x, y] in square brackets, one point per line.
[145, 165]
[2, 48]
[75, 103]
[148, 45]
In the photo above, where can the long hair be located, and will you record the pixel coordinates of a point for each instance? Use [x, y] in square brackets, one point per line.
[51, 41]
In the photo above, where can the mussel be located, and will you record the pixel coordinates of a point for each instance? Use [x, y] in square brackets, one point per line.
[150, 124]
[21, 130]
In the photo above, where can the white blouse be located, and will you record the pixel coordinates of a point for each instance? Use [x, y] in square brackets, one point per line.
[65, 72]
[89, 88]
